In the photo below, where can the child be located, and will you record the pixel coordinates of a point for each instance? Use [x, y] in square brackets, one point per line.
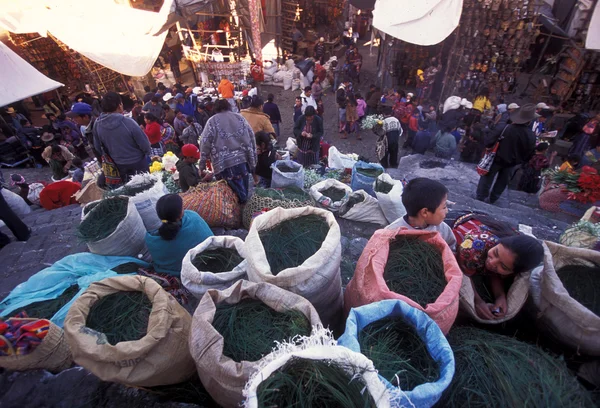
[571, 163]
[267, 155]
[187, 168]
[530, 179]
[297, 108]
[425, 203]
[79, 170]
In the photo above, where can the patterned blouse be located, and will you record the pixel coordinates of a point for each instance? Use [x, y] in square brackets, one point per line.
[473, 241]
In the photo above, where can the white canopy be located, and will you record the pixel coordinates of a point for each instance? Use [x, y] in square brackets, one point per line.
[19, 79]
[426, 22]
[592, 41]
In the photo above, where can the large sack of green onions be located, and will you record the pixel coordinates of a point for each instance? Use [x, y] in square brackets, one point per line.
[364, 175]
[52, 354]
[233, 329]
[287, 173]
[217, 263]
[265, 199]
[144, 190]
[299, 249]
[129, 330]
[330, 194]
[516, 296]
[113, 226]
[362, 207]
[415, 266]
[566, 295]
[389, 196]
[497, 371]
[315, 372]
[409, 351]
[215, 202]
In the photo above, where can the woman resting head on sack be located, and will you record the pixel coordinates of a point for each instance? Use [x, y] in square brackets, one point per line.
[492, 249]
[180, 231]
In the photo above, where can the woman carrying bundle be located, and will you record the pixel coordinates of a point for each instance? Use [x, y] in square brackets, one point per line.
[180, 231]
[492, 249]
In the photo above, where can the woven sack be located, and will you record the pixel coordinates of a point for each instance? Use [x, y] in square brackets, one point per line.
[52, 354]
[258, 205]
[318, 279]
[390, 203]
[582, 234]
[223, 378]
[515, 298]
[161, 357]
[287, 179]
[366, 210]
[362, 182]
[555, 310]
[368, 285]
[551, 197]
[128, 239]
[326, 202]
[215, 202]
[145, 202]
[198, 282]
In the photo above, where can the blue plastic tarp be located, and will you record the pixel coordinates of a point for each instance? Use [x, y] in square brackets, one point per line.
[362, 182]
[82, 269]
[424, 395]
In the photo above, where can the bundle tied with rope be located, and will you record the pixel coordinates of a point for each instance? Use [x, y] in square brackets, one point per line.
[314, 371]
[215, 202]
[265, 199]
[493, 370]
[299, 250]
[394, 265]
[565, 296]
[104, 325]
[216, 263]
[113, 226]
[233, 329]
[330, 194]
[409, 351]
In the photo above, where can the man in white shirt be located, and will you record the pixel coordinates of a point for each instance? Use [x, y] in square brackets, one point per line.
[307, 99]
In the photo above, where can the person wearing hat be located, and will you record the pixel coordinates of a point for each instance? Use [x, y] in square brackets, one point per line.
[189, 176]
[516, 145]
[183, 105]
[539, 124]
[512, 107]
[154, 107]
[541, 106]
[169, 100]
[82, 114]
[60, 159]
[320, 50]
[15, 118]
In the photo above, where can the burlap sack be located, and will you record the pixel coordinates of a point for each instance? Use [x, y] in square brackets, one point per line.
[223, 378]
[161, 357]
[368, 285]
[52, 354]
[318, 279]
[515, 298]
[556, 311]
[197, 281]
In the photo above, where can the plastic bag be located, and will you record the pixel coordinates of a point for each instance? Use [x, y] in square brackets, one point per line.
[145, 202]
[364, 182]
[287, 179]
[336, 160]
[390, 203]
[291, 145]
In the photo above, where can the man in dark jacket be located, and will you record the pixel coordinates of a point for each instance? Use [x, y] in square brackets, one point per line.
[340, 98]
[201, 115]
[373, 99]
[516, 145]
[188, 171]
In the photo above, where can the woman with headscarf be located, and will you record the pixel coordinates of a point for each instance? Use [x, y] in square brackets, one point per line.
[308, 131]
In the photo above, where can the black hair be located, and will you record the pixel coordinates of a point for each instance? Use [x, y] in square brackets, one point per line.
[485, 92]
[176, 111]
[307, 88]
[161, 86]
[422, 193]
[346, 79]
[298, 97]
[154, 99]
[63, 117]
[189, 119]
[50, 114]
[256, 102]
[147, 88]
[77, 162]
[168, 209]
[542, 147]
[262, 137]
[310, 111]
[372, 86]
[221, 105]
[357, 95]
[270, 97]
[56, 148]
[23, 122]
[574, 158]
[110, 102]
[166, 107]
[246, 101]
[528, 252]
[150, 117]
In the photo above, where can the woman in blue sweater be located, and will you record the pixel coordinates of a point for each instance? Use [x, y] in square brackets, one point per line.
[180, 231]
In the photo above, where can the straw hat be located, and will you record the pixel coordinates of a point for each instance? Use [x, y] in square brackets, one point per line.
[10, 110]
[168, 96]
[542, 105]
[47, 137]
[513, 106]
[524, 114]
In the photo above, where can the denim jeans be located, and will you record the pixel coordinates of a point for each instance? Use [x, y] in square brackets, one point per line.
[276, 127]
[485, 183]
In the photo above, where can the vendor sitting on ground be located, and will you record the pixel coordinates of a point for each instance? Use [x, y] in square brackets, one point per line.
[426, 208]
[189, 175]
[60, 159]
[266, 156]
[180, 231]
[495, 251]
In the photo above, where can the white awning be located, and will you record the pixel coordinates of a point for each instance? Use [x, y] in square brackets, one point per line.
[19, 79]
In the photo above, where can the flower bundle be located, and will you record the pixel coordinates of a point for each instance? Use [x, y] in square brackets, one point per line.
[583, 186]
[370, 121]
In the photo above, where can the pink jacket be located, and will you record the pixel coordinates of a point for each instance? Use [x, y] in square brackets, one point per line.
[361, 105]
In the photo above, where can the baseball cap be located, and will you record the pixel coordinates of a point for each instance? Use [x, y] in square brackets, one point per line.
[513, 106]
[189, 150]
[79, 108]
[179, 95]
[542, 105]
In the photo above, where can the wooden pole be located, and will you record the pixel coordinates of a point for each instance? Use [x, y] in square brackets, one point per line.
[452, 54]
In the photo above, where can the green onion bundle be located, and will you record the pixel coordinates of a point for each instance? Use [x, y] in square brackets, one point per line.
[347, 268]
[90, 207]
[415, 269]
[583, 284]
[334, 193]
[103, 219]
[121, 316]
[382, 187]
[286, 168]
[250, 328]
[46, 309]
[189, 392]
[398, 353]
[291, 242]
[369, 172]
[314, 383]
[131, 190]
[353, 199]
[493, 370]
[217, 260]
[128, 267]
[482, 285]
[288, 193]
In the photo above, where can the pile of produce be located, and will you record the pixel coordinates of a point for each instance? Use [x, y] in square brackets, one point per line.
[583, 284]
[103, 219]
[335, 194]
[131, 190]
[217, 260]
[286, 168]
[46, 309]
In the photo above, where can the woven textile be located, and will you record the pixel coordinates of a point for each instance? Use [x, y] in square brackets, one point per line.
[21, 335]
[216, 203]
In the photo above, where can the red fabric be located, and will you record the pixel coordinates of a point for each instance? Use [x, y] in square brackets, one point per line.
[324, 149]
[403, 111]
[413, 124]
[190, 150]
[256, 71]
[152, 130]
[320, 72]
[59, 194]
